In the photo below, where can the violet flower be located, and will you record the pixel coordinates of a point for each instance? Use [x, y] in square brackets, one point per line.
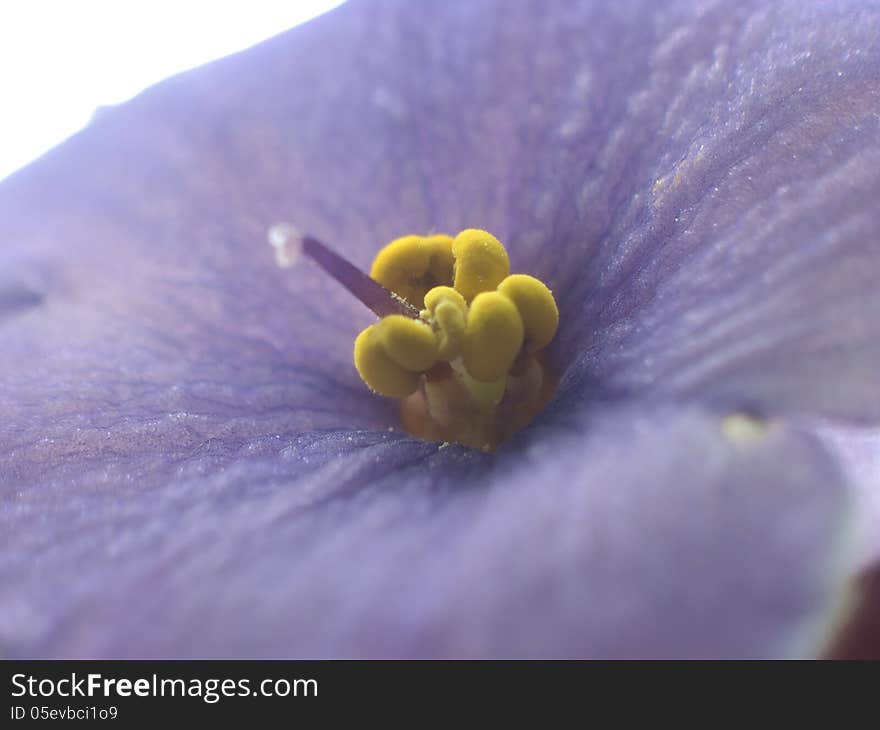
[190, 466]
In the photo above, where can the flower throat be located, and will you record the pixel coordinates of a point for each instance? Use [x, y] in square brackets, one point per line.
[459, 339]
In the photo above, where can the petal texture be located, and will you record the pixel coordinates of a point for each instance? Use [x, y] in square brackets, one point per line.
[647, 531]
[695, 182]
[858, 451]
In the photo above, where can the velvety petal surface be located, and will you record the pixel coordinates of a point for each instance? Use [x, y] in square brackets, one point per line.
[858, 451]
[643, 531]
[694, 181]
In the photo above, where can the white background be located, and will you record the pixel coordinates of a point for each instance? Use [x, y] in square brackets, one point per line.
[60, 59]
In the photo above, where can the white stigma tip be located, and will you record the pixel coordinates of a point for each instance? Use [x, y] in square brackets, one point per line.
[287, 242]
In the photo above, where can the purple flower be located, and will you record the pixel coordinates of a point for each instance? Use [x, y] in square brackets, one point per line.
[190, 465]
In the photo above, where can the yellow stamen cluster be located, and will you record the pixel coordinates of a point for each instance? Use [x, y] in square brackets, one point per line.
[474, 316]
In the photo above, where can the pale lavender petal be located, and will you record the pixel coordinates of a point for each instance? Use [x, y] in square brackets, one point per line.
[858, 451]
[696, 183]
[705, 178]
[638, 531]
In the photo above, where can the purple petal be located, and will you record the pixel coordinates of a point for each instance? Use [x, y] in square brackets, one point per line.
[705, 179]
[634, 532]
[696, 184]
[858, 451]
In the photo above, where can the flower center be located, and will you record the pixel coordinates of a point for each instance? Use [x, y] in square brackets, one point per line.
[459, 340]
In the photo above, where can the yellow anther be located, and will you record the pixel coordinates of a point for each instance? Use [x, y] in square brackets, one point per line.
[446, 309]
[411, 343]
[493, 337]
[481, 262]
[458, 340]
[379, 371]
[536, 306]
[444, 294]
[412, 265]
